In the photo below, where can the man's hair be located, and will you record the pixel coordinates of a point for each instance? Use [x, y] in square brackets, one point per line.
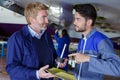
[64, 32]
[86, 10]
[31, 10]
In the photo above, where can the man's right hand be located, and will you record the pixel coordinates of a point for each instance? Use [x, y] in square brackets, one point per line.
[43, 73]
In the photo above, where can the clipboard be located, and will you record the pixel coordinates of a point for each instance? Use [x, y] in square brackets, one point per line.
[61, 74]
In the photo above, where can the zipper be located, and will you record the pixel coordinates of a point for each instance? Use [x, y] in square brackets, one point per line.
[83, 51]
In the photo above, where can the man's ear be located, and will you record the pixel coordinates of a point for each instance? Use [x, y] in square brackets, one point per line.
[89, 22]
[31, 20]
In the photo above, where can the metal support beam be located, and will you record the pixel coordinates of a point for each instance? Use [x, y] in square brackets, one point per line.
[12, 6]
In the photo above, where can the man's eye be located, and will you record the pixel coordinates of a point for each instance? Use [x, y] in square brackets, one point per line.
[77, 19]
[44, 17]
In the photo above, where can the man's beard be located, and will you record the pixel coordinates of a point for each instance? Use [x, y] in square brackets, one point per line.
[81, 30]
[41, 27]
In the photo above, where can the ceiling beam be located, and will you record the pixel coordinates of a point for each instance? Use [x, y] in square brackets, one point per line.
[12, 6]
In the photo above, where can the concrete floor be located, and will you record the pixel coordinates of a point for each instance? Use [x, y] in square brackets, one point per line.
[3, 74]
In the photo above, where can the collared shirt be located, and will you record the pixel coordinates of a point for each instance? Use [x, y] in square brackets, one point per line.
[34, 34]
[38, 36]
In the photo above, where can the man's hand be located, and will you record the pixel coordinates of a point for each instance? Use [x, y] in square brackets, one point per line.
[62, 64]
[43, 73]
[79, 57]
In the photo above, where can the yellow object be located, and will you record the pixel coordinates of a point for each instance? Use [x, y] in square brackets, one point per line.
[61, 74]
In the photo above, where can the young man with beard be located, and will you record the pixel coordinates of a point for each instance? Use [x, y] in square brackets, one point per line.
[95, 57]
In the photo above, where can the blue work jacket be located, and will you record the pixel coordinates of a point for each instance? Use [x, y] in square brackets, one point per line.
[61, 41]
[103, 59]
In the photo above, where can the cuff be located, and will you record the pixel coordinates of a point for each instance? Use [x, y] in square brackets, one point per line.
[37, 74]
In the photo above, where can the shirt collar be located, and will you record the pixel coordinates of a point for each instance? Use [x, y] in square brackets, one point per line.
[90, 33]
[34, 34]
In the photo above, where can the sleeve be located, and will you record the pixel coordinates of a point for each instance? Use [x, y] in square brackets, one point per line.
[57, 37]
[50, 42]
[14, 65]
[109, 63]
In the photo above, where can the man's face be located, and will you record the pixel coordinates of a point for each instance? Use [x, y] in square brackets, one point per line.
[41, 20]
[79, 23]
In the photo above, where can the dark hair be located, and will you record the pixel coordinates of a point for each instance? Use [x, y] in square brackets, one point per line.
[64, 32]
[86, 10]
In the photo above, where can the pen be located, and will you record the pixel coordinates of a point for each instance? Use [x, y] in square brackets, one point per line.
[62, 54]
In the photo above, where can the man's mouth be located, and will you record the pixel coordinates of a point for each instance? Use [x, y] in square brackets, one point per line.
[75, 26]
